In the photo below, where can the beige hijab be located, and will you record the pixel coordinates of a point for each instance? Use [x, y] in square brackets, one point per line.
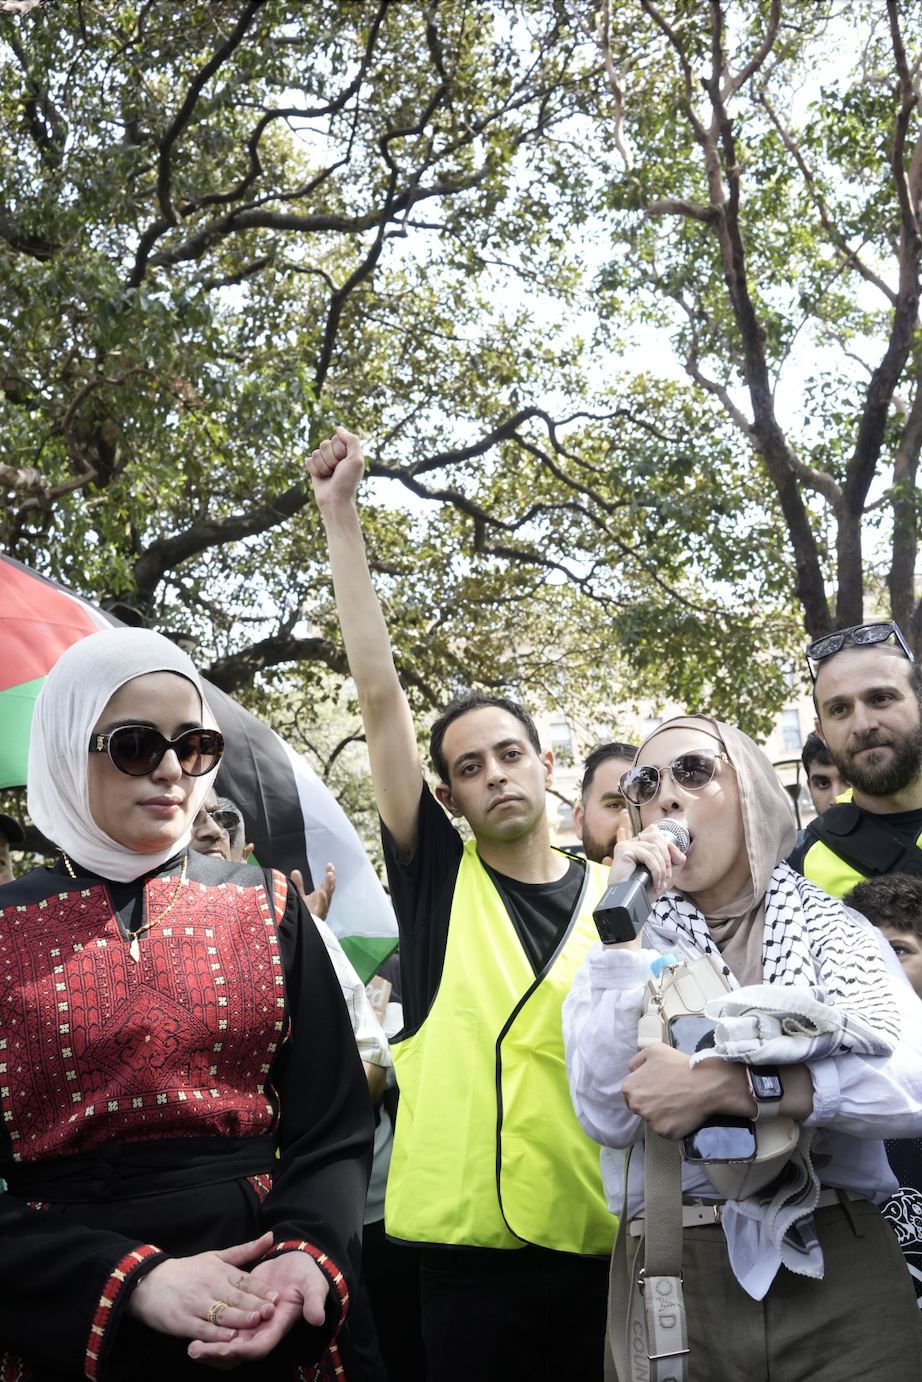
[769, 833]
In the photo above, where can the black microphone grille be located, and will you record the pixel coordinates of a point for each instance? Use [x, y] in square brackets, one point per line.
[680, 835]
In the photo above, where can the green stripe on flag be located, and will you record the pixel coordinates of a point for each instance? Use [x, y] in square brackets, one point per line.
[16, 706]
[367, 954]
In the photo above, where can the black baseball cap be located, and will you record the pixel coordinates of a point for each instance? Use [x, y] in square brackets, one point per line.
[12, 830]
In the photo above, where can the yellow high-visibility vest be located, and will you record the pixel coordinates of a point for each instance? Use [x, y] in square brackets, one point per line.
[488, 1151]
[824, 867]
[829, 872]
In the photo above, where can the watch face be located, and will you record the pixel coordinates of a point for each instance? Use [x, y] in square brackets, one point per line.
[764, 1085]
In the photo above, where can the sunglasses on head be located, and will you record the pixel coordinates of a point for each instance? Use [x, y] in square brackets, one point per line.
[692, 771]
[860, 636]
[137, 749]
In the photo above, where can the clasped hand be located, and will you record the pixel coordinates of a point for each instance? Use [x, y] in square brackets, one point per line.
[259, 1307]
[674, 1099]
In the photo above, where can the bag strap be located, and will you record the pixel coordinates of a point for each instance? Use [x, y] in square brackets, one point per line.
[864, 842]
[646, 1310]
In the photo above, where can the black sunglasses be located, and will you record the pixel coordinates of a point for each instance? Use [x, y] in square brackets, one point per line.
[860, 635]
[138, 749]
[693, 771]
[227, 820]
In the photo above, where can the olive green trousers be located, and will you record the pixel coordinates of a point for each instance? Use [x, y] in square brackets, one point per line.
[861, 1323]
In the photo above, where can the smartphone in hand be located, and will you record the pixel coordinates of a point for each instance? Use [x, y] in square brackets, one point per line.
[724, 1137]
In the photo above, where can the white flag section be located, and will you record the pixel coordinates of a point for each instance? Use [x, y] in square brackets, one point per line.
[361, 916]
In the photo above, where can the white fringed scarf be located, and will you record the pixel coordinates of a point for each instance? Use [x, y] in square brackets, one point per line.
[824, 991]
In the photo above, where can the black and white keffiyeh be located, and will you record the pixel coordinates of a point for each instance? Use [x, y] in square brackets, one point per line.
[815, 986]
[824, 992]
[903, 1212]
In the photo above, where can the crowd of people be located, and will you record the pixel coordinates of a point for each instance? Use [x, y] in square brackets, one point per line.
[564, 1183]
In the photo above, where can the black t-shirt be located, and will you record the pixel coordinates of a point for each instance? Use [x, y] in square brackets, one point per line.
[540, 912]
[422, 890]
[906, 824]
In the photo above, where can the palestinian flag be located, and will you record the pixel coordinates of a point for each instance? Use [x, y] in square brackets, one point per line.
[291, 817]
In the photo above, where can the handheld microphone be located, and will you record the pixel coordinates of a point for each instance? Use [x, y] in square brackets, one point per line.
[624, 906]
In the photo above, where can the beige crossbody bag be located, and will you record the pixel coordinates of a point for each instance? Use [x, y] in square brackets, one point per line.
[647, 1331]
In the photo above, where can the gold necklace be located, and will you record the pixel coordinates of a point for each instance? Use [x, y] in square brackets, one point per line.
[134, 950]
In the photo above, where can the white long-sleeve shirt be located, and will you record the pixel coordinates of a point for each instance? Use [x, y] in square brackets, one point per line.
[857, 1100]
[369, 1036]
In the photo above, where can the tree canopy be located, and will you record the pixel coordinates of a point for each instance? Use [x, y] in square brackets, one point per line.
[226, 227]
[767, 207]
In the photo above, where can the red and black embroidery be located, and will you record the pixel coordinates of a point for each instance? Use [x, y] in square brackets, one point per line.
[262, 1184]
[13, 1368]
[329, 1369]
[279, 893]
[115, 1285]
[98, 1047]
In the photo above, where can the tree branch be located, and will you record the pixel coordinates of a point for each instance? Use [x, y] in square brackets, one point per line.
[169, 216]
[675, 42]
[764, 431]
[229, 673]
[909, 100]
[45, 122]
[616, 82]
[34, 246]
[292, 112]
[862, 464]
[340, 297]
[166, 553]
[256, 217]
[231, 280]
[735, 84]
[849, 256]
[675, 206]
[901, 577]
[184, 114]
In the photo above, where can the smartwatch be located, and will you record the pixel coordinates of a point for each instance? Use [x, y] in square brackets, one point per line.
[766, 1088]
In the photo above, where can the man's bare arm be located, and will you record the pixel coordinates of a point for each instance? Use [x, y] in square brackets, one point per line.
[336, 468]
[376, 1075]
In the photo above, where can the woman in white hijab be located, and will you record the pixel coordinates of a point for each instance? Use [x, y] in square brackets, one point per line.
[803, 1279]
[186, 1126]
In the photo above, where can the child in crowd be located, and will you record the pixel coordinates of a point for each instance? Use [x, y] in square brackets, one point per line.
[824, 781]
[893, 903]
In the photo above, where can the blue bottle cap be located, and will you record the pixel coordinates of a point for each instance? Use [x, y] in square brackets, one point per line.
[663, 962]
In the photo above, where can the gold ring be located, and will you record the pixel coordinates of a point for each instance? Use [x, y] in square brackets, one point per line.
[239, 1285]
[213, 1312]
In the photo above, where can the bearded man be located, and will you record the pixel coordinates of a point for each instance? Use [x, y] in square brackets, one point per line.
[601, 819]
[867, 693]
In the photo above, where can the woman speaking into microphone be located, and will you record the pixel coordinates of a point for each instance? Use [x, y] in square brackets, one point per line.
[805, 1038]
[186, 1128]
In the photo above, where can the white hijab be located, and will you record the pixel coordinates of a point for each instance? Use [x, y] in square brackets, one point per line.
[75, 693]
